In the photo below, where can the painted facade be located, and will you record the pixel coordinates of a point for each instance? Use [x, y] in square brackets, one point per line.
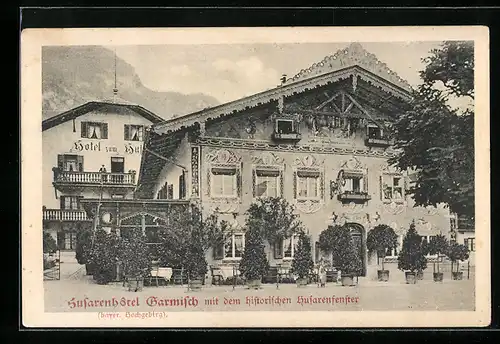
[321, 140]
[77, 147]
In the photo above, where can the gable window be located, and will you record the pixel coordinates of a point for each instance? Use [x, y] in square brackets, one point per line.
[233, 248]
[375, 132]
[70, 202]
[392, 188]
[308, 183]
[224, 182]
[285, 126]
[94, 130]
[470, 243]
[70, 163]
[266, 183]
[133, 132]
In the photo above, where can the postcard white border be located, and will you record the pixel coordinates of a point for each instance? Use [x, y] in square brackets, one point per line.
[31, 159]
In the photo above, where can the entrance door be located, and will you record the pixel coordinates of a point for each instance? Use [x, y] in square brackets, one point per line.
[357, 237]
[117, 165]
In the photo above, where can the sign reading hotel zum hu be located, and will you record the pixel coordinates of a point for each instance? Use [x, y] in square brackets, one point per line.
[91, 146]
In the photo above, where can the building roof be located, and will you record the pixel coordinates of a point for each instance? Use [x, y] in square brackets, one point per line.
[350, 64]
[94, 105]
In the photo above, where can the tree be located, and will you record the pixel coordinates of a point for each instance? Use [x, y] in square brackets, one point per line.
[254, 264]
[83, 244]
[435, 140]
[135, 256]
[49, 244]
[457, 252]
[302, 262]
[345, 257]
[412, 256]
[380, 239]
[439, 245]
[274, 217]
[189, 235]
[104, 256]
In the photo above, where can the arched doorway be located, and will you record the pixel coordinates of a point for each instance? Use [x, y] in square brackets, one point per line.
[358, 235]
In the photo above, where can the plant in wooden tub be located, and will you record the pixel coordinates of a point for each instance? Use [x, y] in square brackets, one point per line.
[456, 253]
[135, 258]
[438, 246]
[254, 264]
[302, 263]
[412, 258]
[381, 239]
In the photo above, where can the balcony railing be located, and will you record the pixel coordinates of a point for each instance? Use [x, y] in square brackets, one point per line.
[378, 141]
[354, 196]
[64, 215]
[287, 136]
[95, 178]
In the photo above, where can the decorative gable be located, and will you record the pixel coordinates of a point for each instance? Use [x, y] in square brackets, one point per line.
[353, 55]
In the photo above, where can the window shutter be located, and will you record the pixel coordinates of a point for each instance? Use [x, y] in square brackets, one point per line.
[84, 130]
[295, 184]
[182, 184]
[104, 129]
[80, 163]
[61, 200]
[126, 134]
[278, 249]
[217, 252]
[60, 161]
[238, 183]
[381, 188]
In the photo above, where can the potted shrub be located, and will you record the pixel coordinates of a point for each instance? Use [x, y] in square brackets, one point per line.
[104, 255]
[302, 262]
[254, 264]
[438, 246]
[412, 258]
[345, 256]
[83, 245]
[134, 255]
[196, 264]
[379, 240]
[456, 253]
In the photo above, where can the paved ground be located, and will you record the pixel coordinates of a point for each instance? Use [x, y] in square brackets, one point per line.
[81, 291]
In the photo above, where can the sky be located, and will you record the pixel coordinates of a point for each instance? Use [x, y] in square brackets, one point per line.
[232, 71]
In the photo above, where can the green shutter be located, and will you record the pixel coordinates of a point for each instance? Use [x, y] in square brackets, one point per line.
[84, 130]
[80, 163]
[126, 133]
[104, 129]
[60, 162]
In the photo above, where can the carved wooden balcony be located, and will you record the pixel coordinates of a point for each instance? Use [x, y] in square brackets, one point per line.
[64, 215]
[290, 137]
[378, 142]
[71, 180]
[354, 196]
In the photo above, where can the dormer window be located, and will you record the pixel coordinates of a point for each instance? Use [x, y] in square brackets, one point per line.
[286, 129]
[285, 126]
[375, 136]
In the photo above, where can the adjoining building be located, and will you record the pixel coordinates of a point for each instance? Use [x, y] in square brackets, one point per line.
[321, 140]
[91, 151]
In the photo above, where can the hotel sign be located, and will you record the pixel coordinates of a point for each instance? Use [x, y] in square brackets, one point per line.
[98, 146]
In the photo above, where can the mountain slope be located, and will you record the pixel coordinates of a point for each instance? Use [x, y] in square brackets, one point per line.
[72, 76]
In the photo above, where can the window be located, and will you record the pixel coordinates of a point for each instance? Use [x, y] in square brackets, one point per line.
[266, 183]
[66, 240]
[133, 132]
[233, 248]
[354, 184]
[94, 130]
[182, 185]
[285, 126]
[117, 164]
[308, 185]
[285, 248]
[375, 132]
[470, 243]
[428, 238]
[337, 122]
[224, 182]
[392, 188]
[70, 202]
[394, 252]
[70, 163]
